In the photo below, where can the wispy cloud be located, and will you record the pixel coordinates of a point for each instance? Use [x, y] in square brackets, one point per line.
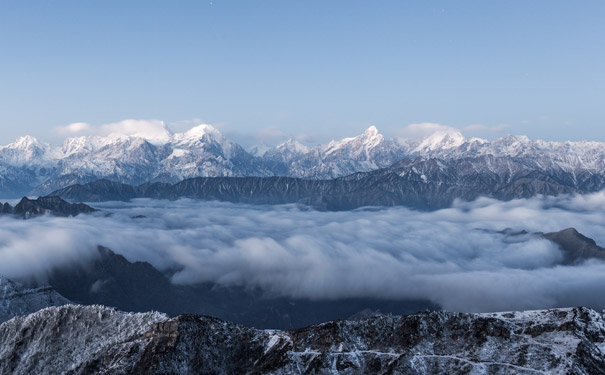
[144, 128]
[75, 129]
[425, 129]
[479, 127]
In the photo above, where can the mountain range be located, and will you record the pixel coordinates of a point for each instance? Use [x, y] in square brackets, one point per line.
[30, 167]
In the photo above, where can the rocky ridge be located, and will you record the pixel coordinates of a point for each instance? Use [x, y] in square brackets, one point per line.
[49, 205]
[103, 341]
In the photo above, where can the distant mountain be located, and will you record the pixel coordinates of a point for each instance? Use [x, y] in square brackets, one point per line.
[28, 166]
[17, 299]
[50, 205]
[575, 246]
[98, 340]
[111, 280]
[418, 183]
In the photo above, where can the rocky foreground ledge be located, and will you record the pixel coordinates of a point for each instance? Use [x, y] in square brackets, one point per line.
[99, 340]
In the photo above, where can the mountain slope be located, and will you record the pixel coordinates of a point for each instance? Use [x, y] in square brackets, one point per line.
[418, 183]
[98, 340]
[111, 280]
[16, 299]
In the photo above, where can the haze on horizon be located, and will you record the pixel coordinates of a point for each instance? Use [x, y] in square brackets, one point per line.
[313, 70]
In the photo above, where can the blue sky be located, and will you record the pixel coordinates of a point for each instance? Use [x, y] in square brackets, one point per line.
[324, 69]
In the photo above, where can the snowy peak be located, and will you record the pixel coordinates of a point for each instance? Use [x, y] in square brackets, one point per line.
[368, 140]
[26, 150]
[371, 137]
[441, 140]
[292, 146]
[200, 131]
[25, 142]
[82, 145]
[372, 131]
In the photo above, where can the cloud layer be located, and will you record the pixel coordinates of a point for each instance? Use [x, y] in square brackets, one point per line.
[294, 251]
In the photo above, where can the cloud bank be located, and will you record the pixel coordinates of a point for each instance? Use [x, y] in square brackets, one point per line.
[148, 129]
[294, 251]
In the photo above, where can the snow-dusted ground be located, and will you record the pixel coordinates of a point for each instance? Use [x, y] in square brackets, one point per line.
[98, 340]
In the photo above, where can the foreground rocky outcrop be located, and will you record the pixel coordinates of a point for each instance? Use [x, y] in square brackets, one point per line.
[98, 340]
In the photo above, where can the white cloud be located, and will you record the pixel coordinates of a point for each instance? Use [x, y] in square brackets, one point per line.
[287, 250]
[425, 129]
[148, 129]
[74, 129]
[479, 127]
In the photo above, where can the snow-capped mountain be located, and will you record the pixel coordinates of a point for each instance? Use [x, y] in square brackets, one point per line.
[99, 340]
[30, 166]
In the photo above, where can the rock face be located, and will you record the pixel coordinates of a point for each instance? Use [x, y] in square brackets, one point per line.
[101, 341]
[16, 299]
[50, 205]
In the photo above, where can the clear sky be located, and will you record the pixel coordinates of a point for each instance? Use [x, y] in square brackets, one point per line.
[324, 69]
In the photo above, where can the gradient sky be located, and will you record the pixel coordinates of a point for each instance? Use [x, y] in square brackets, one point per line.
[324, 69]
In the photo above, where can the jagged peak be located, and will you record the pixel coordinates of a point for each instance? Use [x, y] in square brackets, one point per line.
[26, 142]
[513, 139]
[371, 131]
[294, 146]
[369, 139]
[442, 139]
[201, 130]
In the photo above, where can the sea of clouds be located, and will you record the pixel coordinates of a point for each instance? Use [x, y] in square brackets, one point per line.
[453, 257]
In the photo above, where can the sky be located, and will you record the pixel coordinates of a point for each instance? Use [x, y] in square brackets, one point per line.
[318, 70]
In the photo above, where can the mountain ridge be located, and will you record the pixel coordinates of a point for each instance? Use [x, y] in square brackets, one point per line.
[556, 341]
[419, 183]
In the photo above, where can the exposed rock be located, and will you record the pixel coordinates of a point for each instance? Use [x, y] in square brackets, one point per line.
[102, 341]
